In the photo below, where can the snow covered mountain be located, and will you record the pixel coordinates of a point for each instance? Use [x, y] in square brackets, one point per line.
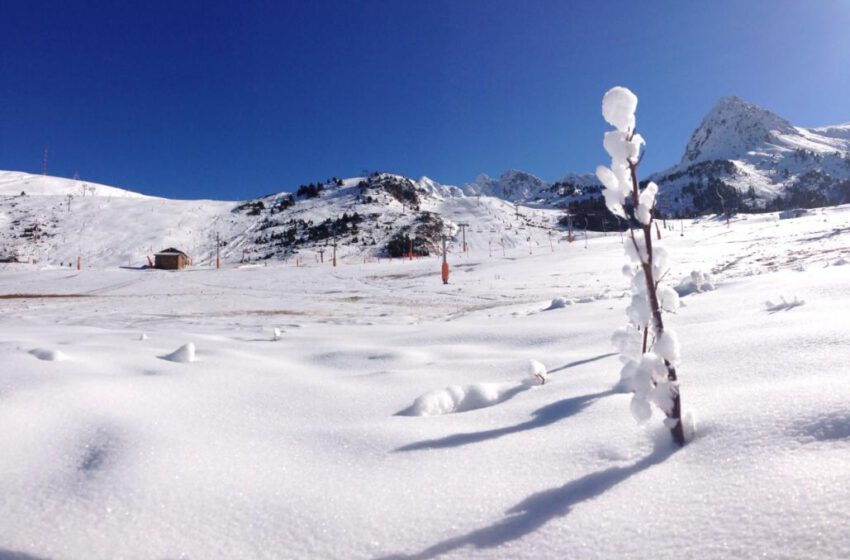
[741, 158]
[55, 220]
[745, 157]
[521, 187]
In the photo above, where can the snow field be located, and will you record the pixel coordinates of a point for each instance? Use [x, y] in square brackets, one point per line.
[294, 449]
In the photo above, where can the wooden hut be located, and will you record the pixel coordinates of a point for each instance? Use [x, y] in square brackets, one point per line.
[171, 259]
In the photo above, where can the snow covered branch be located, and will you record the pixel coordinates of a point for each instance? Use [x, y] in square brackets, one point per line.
[648, 350]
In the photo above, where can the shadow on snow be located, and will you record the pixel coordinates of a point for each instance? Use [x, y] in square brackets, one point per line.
[545, 416]
[582, 362]
[6, 554]
[538, 509]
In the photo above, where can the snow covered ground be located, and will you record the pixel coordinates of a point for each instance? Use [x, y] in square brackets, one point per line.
[117, 441]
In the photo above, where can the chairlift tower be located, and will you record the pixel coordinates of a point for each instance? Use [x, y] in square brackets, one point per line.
[463, 233]
[217, 250]
[570, 217]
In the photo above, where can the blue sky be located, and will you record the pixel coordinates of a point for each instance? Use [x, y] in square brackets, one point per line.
[231, 100]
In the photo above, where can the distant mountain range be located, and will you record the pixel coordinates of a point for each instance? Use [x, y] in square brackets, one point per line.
[740, 158]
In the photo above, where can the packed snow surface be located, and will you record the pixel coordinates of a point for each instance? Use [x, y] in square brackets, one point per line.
[295, 448]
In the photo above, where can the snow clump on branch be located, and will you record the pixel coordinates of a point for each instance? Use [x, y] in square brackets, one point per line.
[624, 147]
[618, 108]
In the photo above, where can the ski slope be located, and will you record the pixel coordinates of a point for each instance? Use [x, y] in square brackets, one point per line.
[110, 230]
[13, 183]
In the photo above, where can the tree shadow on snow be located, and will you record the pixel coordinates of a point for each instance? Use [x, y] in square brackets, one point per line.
[6, 554]
[538, 509]
[582, 362]
[545, 416]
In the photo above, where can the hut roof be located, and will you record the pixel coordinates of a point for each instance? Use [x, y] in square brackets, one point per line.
[172, 251]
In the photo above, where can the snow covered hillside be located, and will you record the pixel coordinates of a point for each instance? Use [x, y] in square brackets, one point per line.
[54, 223]
[369, 411]
[367, 217]
[15, 182]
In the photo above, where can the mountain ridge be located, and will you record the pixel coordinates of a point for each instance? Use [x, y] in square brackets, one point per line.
[740, 158]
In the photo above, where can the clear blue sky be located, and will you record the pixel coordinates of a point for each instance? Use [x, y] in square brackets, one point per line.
[236, 99]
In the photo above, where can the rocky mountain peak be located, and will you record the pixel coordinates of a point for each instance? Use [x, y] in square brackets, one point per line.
[732, 128]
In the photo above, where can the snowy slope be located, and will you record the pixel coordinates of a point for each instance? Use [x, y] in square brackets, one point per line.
[294, 448]
[110, 230]
[106, 230]
[15, 182]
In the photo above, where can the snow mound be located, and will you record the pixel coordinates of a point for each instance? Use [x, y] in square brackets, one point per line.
[48, 355]
[783, 305]
[559, 303]
[537, 374]
[184, 354]
[455, 398]
[697, 282]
